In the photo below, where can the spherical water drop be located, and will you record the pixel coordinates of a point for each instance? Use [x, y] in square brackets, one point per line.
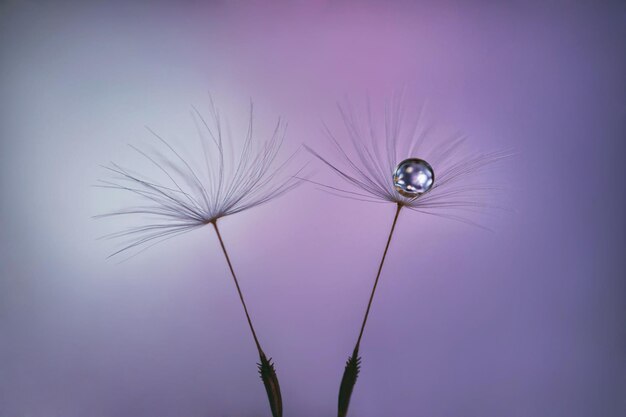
[413, 177]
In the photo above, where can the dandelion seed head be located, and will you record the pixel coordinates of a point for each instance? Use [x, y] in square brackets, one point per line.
[382, 157]
[178, 193]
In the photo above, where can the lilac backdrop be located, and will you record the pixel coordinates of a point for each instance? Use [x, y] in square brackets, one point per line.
[526, 321]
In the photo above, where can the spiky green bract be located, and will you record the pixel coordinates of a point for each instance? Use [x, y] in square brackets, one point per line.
[270, 380]
[350, 374]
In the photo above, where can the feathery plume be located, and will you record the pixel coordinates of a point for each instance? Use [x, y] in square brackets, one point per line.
[187, 197]
[393, 164]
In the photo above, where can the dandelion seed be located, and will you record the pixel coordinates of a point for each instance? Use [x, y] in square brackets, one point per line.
[187, 198]
[389, 165]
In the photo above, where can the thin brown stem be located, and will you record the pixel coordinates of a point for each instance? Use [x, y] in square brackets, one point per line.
[266, 367]
[353, 366]
[380, 268]
[232, 271]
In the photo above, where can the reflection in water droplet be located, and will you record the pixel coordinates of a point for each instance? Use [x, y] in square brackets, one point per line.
[413, 177]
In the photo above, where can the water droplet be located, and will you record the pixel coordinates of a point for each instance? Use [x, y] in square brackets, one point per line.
[413, 177]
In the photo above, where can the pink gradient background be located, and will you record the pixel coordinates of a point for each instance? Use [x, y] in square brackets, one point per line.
[526, 321]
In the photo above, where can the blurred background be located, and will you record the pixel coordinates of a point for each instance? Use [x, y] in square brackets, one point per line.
[525, 321]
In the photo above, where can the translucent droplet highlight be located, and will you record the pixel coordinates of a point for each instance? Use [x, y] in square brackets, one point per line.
[413, 177]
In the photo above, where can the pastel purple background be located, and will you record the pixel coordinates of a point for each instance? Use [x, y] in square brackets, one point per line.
[526, 321]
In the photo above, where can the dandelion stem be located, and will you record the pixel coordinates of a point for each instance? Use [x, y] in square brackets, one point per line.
[353, 365]
[380, 268]
[232, 271]
[266, 367]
